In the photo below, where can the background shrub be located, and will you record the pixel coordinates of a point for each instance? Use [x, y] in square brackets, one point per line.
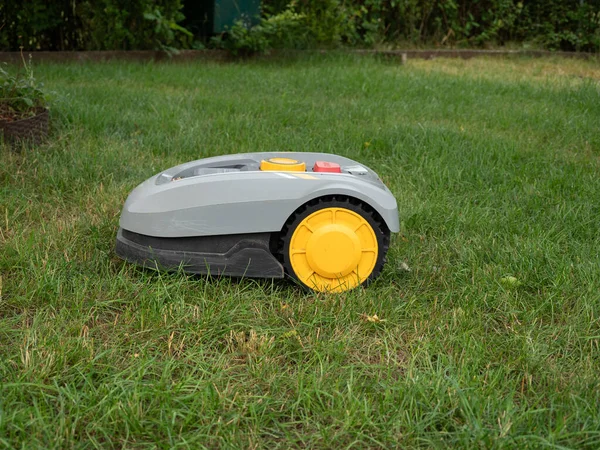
[156, 24]
[92, 25]
[287, 29]
[553, 24]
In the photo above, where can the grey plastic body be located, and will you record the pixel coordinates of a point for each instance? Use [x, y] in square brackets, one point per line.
[229, 195]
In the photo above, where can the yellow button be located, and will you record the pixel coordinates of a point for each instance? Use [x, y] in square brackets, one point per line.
[283, 165]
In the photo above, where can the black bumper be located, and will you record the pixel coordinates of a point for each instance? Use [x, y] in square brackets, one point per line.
[237, 255]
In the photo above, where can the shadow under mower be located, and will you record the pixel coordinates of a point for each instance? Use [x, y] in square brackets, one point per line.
[325, 220]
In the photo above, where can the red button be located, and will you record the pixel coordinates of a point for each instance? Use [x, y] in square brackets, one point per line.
[325, 166]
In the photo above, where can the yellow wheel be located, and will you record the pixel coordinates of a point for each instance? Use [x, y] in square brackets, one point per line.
[334, 246]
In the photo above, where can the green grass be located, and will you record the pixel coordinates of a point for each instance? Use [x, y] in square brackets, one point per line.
[496, 168]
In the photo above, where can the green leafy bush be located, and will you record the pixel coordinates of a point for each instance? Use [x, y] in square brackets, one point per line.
[92, 25]
[133, 24]
[554, 24]
[242, 40]
[566, 25]
[21, 95]
[284, 30]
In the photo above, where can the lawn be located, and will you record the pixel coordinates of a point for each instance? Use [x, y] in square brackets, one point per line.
[496, 168]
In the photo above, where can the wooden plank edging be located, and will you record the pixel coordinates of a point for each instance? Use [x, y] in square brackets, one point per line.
[220, 55]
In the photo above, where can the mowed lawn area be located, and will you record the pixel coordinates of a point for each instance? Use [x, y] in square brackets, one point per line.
[487, 332]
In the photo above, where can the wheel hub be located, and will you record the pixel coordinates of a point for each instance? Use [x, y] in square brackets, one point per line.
[333, 250]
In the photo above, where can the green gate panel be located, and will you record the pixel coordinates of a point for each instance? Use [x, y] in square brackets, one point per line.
[206, 17]
[228, 11]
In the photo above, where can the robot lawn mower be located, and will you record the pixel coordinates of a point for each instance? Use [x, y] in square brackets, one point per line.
[323, 219]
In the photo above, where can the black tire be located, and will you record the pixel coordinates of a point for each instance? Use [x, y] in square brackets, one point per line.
[282, 241]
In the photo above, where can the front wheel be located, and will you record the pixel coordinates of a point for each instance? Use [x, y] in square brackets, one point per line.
[334, 245]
